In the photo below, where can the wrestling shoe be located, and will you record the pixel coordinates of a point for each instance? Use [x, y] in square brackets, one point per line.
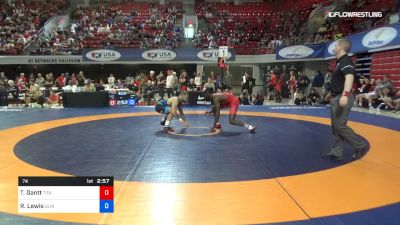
[168, 128]
[331, 155]
[252, 129]
[359, 153]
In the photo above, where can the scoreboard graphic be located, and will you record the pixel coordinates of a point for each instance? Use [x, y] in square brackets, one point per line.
[65, 194]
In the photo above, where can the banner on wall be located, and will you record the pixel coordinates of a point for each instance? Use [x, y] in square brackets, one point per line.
[368, 40]
[54, 59]
[154, 55]
[301, 51]
[386, 36]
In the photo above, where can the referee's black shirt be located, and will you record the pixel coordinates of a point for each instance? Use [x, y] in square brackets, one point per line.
[344, 66]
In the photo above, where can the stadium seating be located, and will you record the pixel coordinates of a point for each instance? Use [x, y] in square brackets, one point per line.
[133, 18]
[271, 21]
[21, 20]
[349, 26]
[117, 25]
[386, 63]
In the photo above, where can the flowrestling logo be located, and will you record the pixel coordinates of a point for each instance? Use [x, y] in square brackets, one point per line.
[296, 52]
[211, 55]
[159, 55]
[355, 14]
[103, 55]
[379, 37]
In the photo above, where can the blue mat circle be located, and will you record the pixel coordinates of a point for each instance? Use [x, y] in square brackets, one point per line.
[136, 149]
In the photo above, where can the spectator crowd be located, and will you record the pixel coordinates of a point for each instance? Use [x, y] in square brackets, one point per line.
[310, 90]
[116, 25]
[21, 20]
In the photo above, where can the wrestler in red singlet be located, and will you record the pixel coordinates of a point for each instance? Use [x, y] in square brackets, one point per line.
[224, 101]
[231, 102]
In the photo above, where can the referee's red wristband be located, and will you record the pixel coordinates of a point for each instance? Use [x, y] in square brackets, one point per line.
[346, 93]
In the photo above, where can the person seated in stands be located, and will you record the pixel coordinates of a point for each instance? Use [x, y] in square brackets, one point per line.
[198, 81]
[119, 84]
[53, 100]
[303, 83]
[259, 98]
[40, 80]
[22, 77]
[49, 81]
[74, 79]
[385, 99]
[12, 90]
[244, 98]
[89, 86]
[364, 90]
[299, 97]
[60, 81]
[313, 97]
[395, 103]
[22, 85]
[100, 86]
[38, 102]
[153, 78]
[371, 95]
[218, 82]
[148, 91]
[81, 79]
[111, 80]
[71, 87]
[135, 87]
[3, 94]
[33, 93]
[3, 77]
[387, 83]
[209, 86]
[191, 86]
[376, 93]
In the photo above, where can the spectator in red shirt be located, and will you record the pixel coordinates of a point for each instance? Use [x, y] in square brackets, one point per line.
[22, 78]
[74, 79]
[61, 80]
[53, 100]
[21, 84]
[276, 82]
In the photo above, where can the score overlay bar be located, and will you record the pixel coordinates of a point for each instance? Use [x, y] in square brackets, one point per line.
[65, 195]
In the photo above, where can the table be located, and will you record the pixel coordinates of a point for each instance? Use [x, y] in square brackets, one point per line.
[85, 99]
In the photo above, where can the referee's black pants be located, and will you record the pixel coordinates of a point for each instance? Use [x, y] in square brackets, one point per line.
[341, 132]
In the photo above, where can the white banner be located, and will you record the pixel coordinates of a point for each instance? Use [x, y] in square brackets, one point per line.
[54, 59]
[223, 51]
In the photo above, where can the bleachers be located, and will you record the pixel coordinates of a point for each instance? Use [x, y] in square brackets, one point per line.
[386, 63]
[116, 25]
[21, 20]
[269, 20]
[382, 63]
[134, 16]
[348, 26]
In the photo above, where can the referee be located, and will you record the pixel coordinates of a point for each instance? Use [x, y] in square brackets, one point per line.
[341, 103]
